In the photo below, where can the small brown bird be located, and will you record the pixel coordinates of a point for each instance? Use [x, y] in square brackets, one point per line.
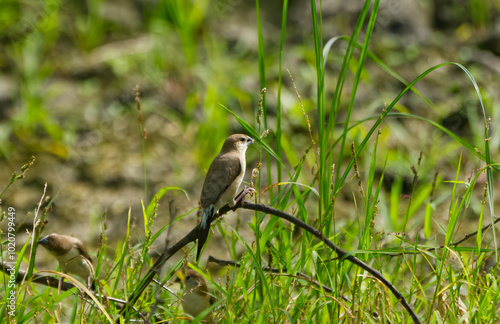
[195, 296]
[222, 182]
[71, 255]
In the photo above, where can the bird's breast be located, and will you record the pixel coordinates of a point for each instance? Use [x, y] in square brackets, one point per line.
[194, 303]
[74, 263]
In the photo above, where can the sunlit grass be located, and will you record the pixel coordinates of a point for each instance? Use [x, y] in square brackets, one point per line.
[334, 180]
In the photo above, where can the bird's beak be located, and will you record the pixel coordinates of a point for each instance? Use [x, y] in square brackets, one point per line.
[250, 141]
[43, 241]
[180, 277]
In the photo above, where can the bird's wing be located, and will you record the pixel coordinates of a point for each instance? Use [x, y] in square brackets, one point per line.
[83, 251]
[221, 174]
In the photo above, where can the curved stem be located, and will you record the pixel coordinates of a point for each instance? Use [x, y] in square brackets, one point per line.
[193, 235]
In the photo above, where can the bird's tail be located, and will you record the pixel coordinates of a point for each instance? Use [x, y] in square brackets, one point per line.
[206, 219]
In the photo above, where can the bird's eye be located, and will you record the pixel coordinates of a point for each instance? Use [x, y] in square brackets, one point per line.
[188, 277]
[243, 139]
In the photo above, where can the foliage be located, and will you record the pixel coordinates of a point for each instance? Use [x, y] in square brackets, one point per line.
[393, 185]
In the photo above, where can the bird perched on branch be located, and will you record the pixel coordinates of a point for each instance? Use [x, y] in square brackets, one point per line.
[71, 255]
[195, 295]
[223, 179]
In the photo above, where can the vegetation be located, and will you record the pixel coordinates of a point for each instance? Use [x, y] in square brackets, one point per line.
[359, 136]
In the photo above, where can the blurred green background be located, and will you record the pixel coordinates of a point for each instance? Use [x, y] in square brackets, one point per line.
[69, 69]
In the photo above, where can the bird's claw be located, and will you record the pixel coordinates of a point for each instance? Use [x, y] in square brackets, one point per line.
[246, 191]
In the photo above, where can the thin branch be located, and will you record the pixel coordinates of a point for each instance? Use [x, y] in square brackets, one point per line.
[193, 235]
[236, 264]
[455, 244]
[36, 278]
[343, 255]
[53, 282]
[168, 253]
[468, 236]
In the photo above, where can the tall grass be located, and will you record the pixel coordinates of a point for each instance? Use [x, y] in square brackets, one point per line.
[444, 280]
[345, 280]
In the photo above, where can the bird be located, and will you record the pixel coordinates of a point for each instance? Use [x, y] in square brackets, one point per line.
[71, 255]
[222, 181]
[195, 295]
